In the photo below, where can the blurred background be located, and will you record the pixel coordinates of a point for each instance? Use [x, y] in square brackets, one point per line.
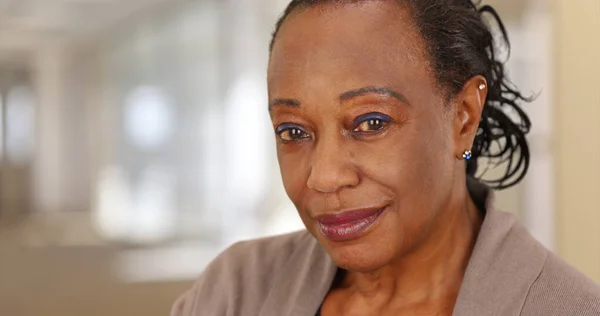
[135, 144]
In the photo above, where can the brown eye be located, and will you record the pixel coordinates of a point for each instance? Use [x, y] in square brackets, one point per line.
[371, 125]
[290, 133]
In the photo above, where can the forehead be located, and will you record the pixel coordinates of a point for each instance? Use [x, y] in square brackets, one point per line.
[363, 43]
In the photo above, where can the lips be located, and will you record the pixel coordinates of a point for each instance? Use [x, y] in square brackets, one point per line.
[348, 225]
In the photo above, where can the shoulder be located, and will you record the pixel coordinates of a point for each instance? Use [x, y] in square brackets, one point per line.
[263, 252]
[521, 276]
[247, 267]
[560, 289]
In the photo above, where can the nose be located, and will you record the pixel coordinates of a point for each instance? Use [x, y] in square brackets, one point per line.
[331, 167]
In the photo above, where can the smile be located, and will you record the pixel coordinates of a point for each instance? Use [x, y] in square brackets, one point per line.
[348, 225]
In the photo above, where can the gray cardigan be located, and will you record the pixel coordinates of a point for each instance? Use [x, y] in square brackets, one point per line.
[509, 273]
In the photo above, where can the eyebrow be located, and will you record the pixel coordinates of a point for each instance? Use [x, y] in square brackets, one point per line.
[373, 90]
[346, 96]
[284, 102]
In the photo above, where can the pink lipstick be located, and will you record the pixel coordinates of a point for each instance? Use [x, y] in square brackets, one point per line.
[348, 225]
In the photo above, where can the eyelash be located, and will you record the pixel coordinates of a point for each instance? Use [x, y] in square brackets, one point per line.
[296, 133]
[293, 130]
[379, 119]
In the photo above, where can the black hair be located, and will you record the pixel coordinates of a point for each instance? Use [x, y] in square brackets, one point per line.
[461, 45]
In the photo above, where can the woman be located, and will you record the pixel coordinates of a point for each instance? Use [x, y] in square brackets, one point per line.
[376, 106]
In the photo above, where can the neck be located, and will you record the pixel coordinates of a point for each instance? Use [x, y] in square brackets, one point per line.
[432, 272]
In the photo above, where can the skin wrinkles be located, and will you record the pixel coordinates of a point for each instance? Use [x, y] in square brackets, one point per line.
[332, 64]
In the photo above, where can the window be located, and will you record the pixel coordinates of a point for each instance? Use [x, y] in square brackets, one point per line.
[20, 125]
[1, 128]
[148, 117]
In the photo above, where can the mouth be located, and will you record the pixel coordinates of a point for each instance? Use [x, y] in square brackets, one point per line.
[348, 225]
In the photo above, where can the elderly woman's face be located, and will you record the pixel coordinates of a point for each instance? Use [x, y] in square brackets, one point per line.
[364, 140]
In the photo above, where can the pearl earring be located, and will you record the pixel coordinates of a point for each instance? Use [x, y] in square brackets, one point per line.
[482, 86]
[467, 155]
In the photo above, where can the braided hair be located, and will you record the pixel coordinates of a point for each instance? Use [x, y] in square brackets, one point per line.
[458, 36]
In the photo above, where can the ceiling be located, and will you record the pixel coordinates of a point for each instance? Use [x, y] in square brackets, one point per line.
[26, 23]
[65, 16]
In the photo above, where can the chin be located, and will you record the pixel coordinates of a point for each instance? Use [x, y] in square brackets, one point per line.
[361, 257]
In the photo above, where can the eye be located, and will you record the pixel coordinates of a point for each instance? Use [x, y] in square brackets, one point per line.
[290, 133]
[371, 123]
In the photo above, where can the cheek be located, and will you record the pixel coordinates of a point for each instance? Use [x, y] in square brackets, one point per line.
[414, 162]
[402, 159]
[294, 173]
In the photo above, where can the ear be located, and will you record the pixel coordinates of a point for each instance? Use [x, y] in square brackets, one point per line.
[468, 105]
